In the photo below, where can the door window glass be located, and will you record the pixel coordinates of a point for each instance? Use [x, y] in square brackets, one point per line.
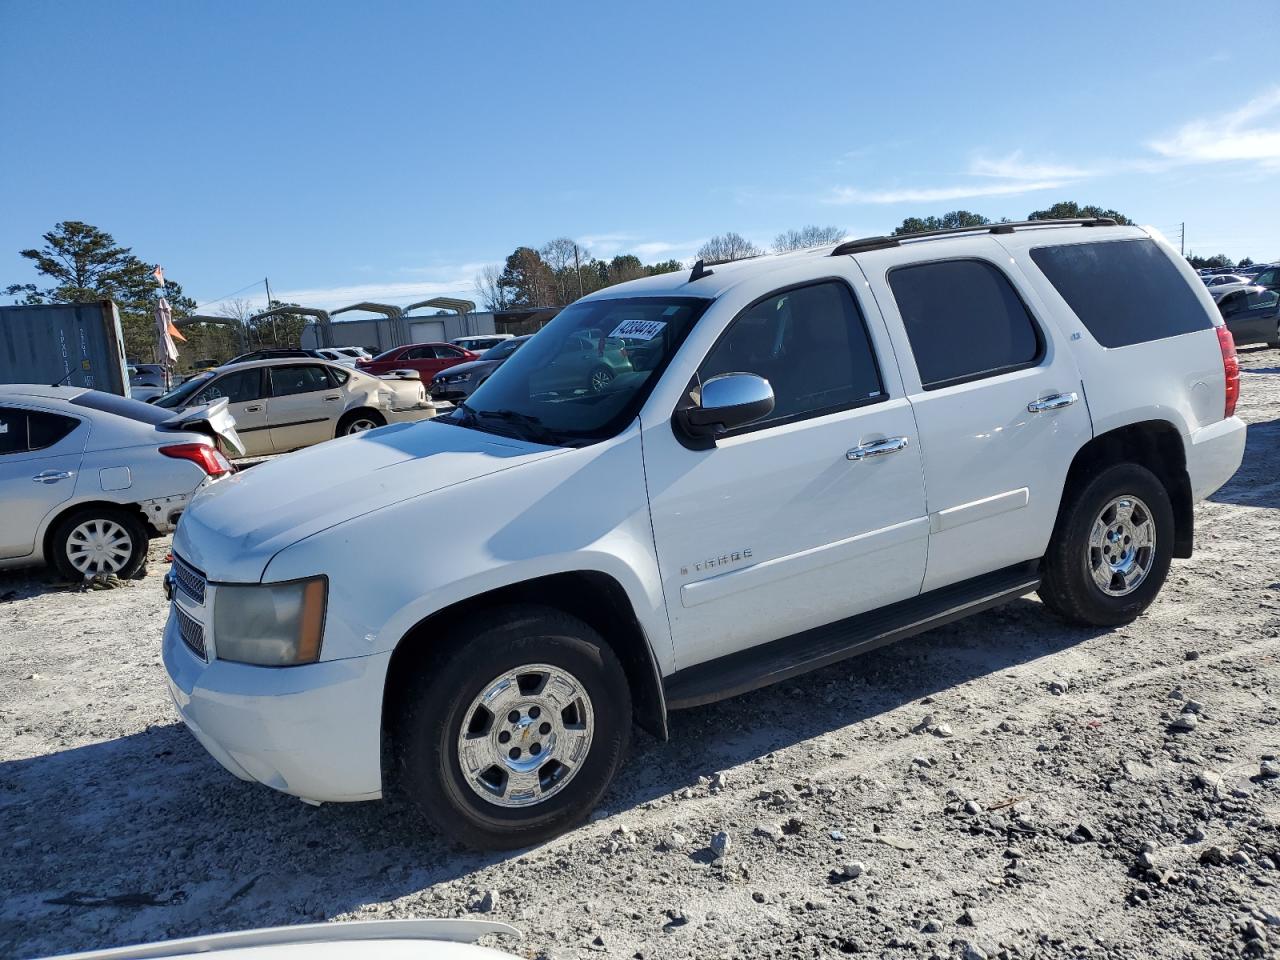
[337, 377]
[964, 321]
[812, 346]
[420, 353]
[287, 381]
[13, 430]
[239, 387]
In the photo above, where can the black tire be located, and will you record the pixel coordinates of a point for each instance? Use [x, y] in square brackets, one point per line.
[1067, 584]
[355, 416]
[1275, 341]
[437, 701]
[126, 520]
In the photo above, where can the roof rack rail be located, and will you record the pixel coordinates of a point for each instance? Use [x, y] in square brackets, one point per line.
[880, 243]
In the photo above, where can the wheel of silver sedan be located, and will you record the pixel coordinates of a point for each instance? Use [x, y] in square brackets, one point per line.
[360, 425]
[99, 546]
[526, 735]
[1122, 546]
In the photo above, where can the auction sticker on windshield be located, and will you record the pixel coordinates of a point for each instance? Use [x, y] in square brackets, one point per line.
[639, 329]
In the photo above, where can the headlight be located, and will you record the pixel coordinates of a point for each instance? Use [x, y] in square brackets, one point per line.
[458, 378]
[270, 624]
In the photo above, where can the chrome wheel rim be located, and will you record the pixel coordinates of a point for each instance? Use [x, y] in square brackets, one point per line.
[360, 426]
[600, 379]
[525, 735]
[1122, 546]
[99, 546]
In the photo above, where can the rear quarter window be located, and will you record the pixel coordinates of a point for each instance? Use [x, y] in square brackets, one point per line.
[1123, 291]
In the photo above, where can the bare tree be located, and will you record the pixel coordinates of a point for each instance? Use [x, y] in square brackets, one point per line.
[810, 236]
[489, 288]
[566, 258]
[726, 247]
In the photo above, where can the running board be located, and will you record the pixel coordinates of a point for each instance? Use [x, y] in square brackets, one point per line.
[813, 649]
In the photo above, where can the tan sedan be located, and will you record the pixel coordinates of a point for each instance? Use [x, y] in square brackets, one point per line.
[282, 405]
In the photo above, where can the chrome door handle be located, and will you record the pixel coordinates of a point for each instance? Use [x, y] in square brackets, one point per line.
[1056, 402]
[253, 409]
[331, 399]
[52, 476]
[877, 448]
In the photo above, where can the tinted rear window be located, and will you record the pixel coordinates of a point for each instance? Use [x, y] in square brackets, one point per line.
[122, 407]
[1123, 291]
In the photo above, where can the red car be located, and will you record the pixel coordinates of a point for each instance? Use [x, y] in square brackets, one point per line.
[427, 358]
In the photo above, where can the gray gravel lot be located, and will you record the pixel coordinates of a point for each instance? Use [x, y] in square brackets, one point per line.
[1005, 786]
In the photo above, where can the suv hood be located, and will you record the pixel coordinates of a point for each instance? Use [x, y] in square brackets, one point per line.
[234, 527]
[466, 367]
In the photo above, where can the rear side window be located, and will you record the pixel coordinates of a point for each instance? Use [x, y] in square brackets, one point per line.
[964, 320]
[810, 344]
[25, 430]
[336, 376]
[288, 381]
[1123, 291]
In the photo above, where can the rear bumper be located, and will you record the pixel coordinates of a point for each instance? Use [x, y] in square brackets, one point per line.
[1214, 454]
[421, 411]
[311, 731]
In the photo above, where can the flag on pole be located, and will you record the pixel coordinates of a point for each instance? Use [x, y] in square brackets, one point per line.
[158, 273]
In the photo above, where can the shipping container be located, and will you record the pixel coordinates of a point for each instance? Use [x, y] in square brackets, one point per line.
[77, 344]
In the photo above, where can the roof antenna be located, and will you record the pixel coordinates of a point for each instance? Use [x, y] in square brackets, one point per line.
[699, 271]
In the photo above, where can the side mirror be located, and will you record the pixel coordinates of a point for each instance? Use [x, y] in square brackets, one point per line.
[727, 401]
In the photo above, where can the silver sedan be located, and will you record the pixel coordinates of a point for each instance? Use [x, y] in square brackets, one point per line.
[86, 477]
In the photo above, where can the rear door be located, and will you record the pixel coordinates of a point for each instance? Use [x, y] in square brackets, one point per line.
[304, 406]
[245, 391]
[40, 454]
[997, 399]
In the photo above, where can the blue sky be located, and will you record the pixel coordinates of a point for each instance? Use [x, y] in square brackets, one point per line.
[389, 150]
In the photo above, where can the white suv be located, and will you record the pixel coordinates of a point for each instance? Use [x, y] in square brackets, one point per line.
[791, 460]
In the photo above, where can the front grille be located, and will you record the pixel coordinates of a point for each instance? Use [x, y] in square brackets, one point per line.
[190, 580]
[191, 632]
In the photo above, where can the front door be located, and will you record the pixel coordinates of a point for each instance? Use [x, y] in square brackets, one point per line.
[246, 396]
[304, 406]
[811, 515]
[997, 397]
[40, 455]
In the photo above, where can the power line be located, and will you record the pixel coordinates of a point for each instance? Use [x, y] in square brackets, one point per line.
[247, 286]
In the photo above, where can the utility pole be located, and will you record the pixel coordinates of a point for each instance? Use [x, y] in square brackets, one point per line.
[1182, 238]
[577, 268]
[275, 334]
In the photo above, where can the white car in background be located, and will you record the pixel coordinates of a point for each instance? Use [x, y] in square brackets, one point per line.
[353, 940]
[86, 477]
[347, 356]
[479, 344]
[281, 405]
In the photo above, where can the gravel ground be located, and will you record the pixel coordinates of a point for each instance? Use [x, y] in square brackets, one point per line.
[1004, 787]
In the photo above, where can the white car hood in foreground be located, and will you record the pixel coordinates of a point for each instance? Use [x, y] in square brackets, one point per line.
[380, 939]
[233, 529]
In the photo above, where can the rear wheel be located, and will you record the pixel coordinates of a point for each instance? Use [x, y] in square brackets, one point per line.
[358, 421]
[511, 735]
[1275, 337]
[98, 541]
[1110, 553]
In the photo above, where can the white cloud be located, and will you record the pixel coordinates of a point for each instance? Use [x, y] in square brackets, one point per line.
[842, 196]
[1014, 167]
[1250, 133]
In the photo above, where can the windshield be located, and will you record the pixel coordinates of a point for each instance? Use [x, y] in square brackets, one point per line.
[179, 395]
[584, 376]
[504, 349]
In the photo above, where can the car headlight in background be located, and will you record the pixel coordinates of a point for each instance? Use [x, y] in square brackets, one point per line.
[270, 624]
[458, 378]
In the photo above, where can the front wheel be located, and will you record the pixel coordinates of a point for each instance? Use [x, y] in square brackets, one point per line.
[1111, 550]
[513, 732]
[1275, 339]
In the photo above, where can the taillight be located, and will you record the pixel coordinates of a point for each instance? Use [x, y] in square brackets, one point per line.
[1230, 370]
[202, 455]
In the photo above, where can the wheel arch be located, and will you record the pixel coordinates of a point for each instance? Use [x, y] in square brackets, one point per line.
[1154, 444]
[594, 597]
[63, 510]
